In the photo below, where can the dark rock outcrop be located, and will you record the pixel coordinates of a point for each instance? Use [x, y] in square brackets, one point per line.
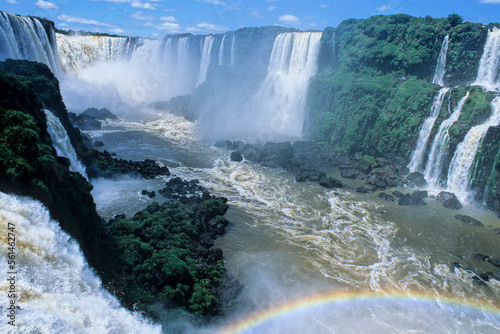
[469, 220]
[449, 200]
[105, 165]
[416, 179]
[330, 182]
[100, 114]
[409, 199]
[386, 197]
[236, 156]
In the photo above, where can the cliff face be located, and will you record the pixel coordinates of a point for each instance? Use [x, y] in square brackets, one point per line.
[374, 90]
[29, 165]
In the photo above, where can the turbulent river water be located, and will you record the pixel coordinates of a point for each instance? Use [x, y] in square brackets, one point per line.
[318, 260]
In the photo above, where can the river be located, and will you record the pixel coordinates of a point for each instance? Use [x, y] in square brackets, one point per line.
[319, 260]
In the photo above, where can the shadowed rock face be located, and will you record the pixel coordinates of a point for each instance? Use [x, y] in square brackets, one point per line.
[449, 200]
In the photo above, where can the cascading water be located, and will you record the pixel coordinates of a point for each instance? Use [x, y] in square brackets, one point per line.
[206, 58]
[488, 74]
[79, 52]
[441, 64]
[221, 51]
[57, 291]
[62, 144]
[417, 157]
[24, 37]
[280, 101]
[233, 43]
[463, 159]
[439, 148]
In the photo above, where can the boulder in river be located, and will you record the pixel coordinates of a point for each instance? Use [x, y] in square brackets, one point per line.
[386, 197]
[409, 199]
[236, 156]
[101, 114]
[330, 182]
[449, 200]
[469, 220]
[416, 179]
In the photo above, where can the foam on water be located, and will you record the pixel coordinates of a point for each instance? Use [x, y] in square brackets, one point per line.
[57, 291]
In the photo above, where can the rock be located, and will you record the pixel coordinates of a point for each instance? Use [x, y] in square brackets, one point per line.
[481, 257]
[456, 265]
[330, 182]
[362, 190]
[398, 193]
[496, 231]
[408, 199]
[420, 194]
[469, 220]
[224, 144]
[449, 200]
[416, 179]
[101, 114]
[386, 197]
[236, 156]
[349, 173]
[98, 143]
[86, 123]
[495, 262]
[63, 161]
[150, 194]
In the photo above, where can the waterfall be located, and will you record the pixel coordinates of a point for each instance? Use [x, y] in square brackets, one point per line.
[24, 37]
[461, 165]
[221, 51]
[441, 64]
[62, 144]
[417, 156]
[57, 291]
[439, 148]
[488, 74]
[232, 50]
[281, 96]
[206, 58]
[79, 52]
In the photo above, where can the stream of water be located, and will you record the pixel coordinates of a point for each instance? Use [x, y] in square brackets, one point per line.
[312, 259]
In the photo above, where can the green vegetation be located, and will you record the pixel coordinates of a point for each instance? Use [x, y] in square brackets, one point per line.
[160, 254]
[28, 165]
[165, 251]
[373, 91]
[476, 110]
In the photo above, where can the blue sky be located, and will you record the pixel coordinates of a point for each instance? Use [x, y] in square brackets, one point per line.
[156, 18]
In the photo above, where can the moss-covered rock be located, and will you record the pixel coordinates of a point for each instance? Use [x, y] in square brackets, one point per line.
[28, 166]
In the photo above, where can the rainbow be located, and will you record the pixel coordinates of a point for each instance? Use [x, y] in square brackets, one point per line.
[339, 297]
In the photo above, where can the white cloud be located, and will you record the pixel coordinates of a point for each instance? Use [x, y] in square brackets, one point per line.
[323, 5]
[169, 27]
[117, 31]
[12, 1]
[138, 4]
[384, 8]
[493, 2]
[289, 19]
[271, 8]
[256, 14]
[233, 5]
[169, 19]
[211, 27]
[74, 19]
[214, 2]
[46, 5]
[142, 16]
[169, 10]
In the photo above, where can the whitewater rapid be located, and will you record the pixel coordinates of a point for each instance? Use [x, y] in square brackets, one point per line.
[288, 240]
[57, 292]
